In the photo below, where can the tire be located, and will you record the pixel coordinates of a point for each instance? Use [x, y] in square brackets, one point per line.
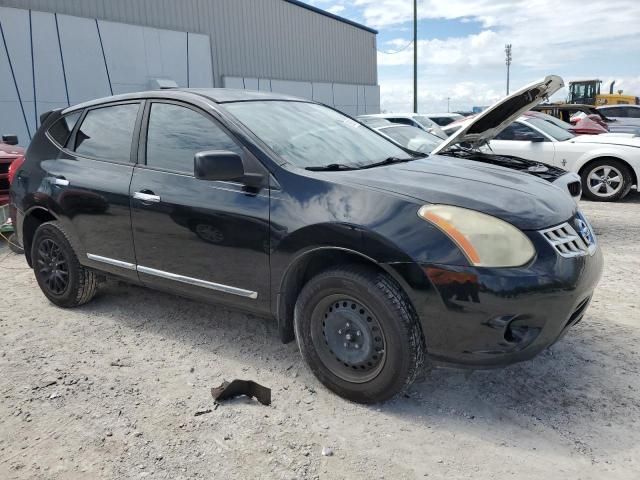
[58, 272]
[618, 180]
[354, 305]
[14, 246]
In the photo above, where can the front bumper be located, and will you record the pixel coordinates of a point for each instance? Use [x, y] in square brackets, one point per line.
[570, 182]
[489, 317]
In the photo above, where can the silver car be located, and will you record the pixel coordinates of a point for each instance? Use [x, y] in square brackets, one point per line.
[622, 114]
[413, 119]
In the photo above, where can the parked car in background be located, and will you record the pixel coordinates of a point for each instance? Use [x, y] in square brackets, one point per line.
[413, 119]
[571, 113]
[407, 136]
[374, 122]
[623, 114]
[608, 164]
[9, 152]
[578, 126]
[444, 119]
[370, 256]
[420, 141]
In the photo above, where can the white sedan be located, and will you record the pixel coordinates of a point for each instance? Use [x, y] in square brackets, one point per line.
[608, 164]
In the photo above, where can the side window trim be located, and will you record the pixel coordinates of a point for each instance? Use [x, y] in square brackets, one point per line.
[144, 130]
[133, 152]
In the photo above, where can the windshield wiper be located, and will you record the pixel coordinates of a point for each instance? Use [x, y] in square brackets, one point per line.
[390, 160]
[332, 167]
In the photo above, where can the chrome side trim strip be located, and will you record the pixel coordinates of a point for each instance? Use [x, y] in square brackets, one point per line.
[197, 282]
[111, 261]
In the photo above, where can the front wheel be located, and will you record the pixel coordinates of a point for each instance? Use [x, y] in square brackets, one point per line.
[357, 331]
[606, 180]
[58, 272]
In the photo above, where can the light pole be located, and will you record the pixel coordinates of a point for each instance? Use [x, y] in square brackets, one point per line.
[448, 104]
[415, 56]
[508, 58]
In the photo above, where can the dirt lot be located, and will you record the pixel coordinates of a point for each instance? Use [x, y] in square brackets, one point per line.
[111, 390]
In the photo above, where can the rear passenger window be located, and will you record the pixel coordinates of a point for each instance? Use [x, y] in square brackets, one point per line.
[175, 134]
[615, 112]
[61, 130]
[106, 133]
[403, 121]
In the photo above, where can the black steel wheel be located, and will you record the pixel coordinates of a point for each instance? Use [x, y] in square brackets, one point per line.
[348, 337]
[58, 272]
[359, 334]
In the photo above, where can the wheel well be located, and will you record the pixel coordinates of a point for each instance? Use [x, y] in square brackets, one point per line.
[29, 226]
[634, 177]
[303, 270]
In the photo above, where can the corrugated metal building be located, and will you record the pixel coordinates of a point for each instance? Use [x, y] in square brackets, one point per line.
[59, 52]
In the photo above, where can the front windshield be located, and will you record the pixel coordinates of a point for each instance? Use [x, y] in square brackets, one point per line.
[412, 138]
[426, 122]
[555, 121]
[311, 135]
[554, 131]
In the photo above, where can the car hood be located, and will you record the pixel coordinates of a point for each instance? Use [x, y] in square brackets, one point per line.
[622, 139]
[519, 198]
[486, 125]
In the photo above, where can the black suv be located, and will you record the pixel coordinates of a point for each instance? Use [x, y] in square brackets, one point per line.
[370, 256]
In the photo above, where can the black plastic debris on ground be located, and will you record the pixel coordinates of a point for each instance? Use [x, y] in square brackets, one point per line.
[236, 388]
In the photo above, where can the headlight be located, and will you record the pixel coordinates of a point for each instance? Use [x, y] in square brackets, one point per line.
[486, 241]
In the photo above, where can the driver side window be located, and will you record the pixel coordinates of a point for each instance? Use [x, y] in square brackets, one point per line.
[517, 131]
[176, 133]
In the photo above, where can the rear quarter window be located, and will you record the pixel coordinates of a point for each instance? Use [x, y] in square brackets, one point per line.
[61, 130]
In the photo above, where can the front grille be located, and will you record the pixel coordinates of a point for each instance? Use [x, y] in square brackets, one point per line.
[4, 167]
[4, 184]
[566, 241]
[575, 188]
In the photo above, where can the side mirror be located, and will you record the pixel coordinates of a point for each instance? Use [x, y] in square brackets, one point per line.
[223, 165]
[537, 139]
[10, 139]
[218, 165]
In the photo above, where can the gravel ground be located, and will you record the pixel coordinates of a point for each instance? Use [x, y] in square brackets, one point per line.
[113, 390]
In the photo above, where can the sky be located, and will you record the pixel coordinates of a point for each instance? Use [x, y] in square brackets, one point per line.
[461, 46]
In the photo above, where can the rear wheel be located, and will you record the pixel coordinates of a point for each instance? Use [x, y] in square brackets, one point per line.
[606, 180]
[358, 333]
[58, 272]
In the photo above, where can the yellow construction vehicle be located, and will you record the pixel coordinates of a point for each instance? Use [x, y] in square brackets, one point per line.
[588, 92]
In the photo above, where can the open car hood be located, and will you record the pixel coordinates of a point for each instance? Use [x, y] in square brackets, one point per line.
[483, 127]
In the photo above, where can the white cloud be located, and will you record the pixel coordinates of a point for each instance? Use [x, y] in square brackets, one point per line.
[336, 9]
[599, 38]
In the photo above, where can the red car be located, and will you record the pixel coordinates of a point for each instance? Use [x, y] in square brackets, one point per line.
[9, 153]
[588, 125]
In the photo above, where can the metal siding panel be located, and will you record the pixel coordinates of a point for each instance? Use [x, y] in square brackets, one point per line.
[86, 73]
[251, 83]
[233, 82]
[16, 25]
[11, 115]
[255, 38]
[200, 71]
[49, 76]
[124, 49]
